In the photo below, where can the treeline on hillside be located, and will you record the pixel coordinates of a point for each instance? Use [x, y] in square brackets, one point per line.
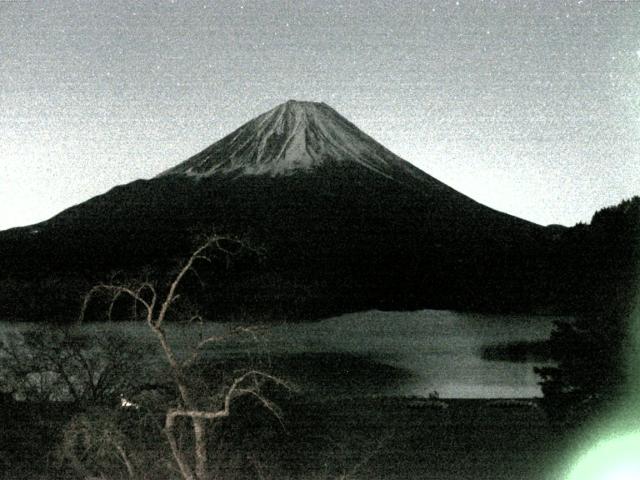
[596, 264]
[602, 282]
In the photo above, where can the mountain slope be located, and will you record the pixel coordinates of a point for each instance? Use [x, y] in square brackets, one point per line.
[299, 137]
[345, 224]
[292, 136]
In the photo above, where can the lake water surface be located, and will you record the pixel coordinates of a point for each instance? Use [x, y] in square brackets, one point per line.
[436, 350]
[440, 349]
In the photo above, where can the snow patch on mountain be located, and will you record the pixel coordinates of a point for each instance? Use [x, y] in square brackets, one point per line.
[291, 137]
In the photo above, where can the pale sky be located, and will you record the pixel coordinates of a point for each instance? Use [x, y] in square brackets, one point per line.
[530, 107]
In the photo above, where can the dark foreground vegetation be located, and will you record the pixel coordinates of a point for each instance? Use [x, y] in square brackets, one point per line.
[113, 425]
[349, 438]
[593, 353]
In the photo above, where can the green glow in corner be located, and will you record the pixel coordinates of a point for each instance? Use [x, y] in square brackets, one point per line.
[615, 454]
[615, 459]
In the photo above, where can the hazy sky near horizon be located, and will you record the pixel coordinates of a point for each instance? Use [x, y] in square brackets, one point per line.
[530, 107]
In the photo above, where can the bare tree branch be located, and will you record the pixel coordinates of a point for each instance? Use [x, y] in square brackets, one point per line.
[116, 291]
[156, 308]
[125, 459]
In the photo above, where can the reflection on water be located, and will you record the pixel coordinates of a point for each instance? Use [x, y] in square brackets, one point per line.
[423, 351]
[441, 350]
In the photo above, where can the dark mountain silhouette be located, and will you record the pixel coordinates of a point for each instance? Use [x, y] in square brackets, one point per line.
[345, 225]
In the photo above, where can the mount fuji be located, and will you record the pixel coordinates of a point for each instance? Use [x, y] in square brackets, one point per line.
[345, 225]
[294, 136]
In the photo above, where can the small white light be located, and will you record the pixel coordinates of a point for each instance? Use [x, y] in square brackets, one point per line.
[124, 403]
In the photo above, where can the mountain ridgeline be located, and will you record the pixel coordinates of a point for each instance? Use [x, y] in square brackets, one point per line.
[344, 225]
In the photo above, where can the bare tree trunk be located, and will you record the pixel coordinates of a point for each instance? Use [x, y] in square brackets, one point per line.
[200, 433]
[198, 424]
[183, 465]
[199, 427]
[126, 461]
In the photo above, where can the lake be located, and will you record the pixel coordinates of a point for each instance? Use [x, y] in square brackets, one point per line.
[380, 353]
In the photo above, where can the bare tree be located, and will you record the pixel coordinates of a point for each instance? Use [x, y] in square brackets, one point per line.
[155, 304]
[94, 439]
[46, 364]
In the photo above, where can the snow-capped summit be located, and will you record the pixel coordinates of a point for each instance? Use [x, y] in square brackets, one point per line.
[291, 137]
